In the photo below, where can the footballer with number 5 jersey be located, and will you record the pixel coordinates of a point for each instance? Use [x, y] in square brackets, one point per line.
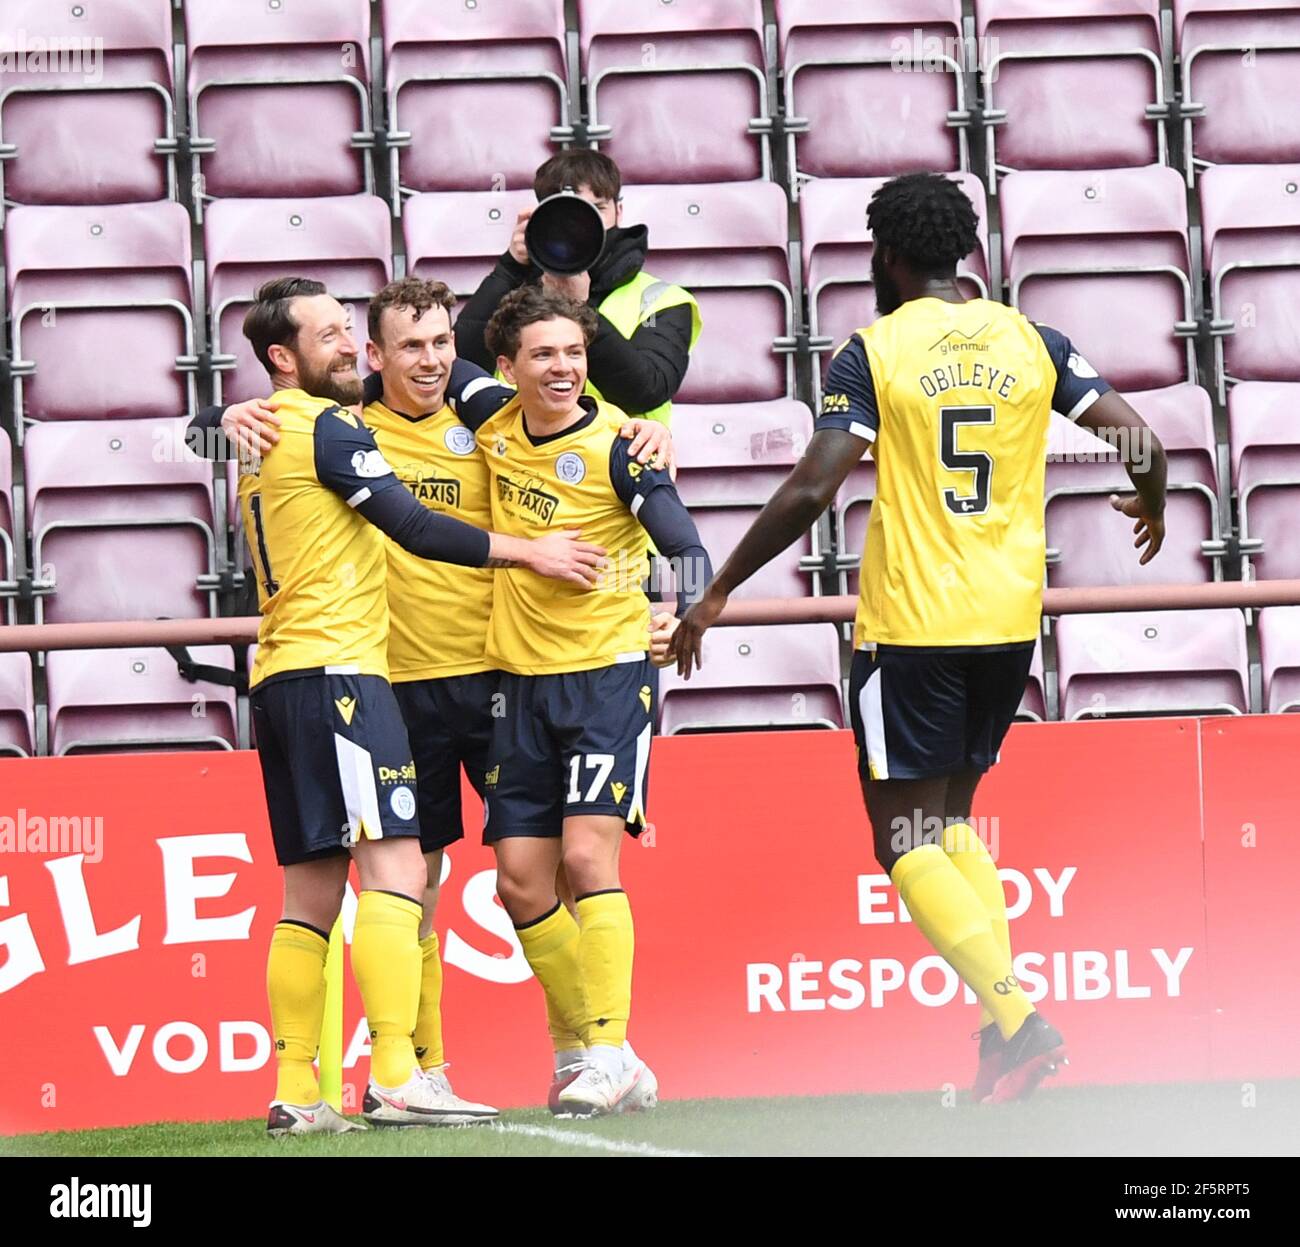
[952, 398]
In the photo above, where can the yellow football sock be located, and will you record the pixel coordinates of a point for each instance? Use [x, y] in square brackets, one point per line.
[605, 957]
[295, 985]
[968, 853]
[951, 916]
[551, 946]
[428, 1021]
[386, 965]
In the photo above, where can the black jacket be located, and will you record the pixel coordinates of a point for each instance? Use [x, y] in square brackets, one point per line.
[637, 373]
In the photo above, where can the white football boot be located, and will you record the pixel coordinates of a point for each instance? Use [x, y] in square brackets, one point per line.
[604, 1083]
[318, 1118]
[466, 1110]
[568, 1065]
[644, 1094]
[422, 1100]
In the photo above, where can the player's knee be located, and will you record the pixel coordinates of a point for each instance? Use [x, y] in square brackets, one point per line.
[590, 865]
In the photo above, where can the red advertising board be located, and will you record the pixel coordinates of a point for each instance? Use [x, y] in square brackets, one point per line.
[137, 895]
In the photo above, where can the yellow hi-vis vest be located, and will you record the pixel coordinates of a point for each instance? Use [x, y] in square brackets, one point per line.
[631, 305]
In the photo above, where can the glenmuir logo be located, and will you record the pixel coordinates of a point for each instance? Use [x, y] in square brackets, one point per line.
[122, 1201]
[956, 340]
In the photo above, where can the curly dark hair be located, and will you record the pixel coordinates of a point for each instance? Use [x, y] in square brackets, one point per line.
[927, 220]
[528, 305]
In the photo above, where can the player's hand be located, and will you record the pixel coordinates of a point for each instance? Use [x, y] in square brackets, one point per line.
[1149, 531]
[562, 556]
[662, 627]
[651, 438]
[252, 427]
[577, 287]
[518, 248]
[687, 642]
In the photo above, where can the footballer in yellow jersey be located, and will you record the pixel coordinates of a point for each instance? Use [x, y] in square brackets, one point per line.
[952, 399]
[571, 752]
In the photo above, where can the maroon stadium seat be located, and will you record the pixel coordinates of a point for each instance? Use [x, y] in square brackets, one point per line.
[1103, 257]
[1071, 84]
[345, 242]
[1089, 544]
[135, 699]
[1033, 705]
[17, 705]
[779, 676]
[121, 518]
[1279, 654]
[837, 259]
[729, 245]
[1152, 662]
[279, 98]
[1250, 230]
[97, 130]
[677, 92]
[854, 105]
[853, 502]
[1240, 60]
[8, 585]
[455, 74]
[1264, 432]
[108, 287]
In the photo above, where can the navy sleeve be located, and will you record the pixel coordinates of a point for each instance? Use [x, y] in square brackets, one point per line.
[427, 534]
[474, 395]
[206, 438]
[347, 459]
[632, 480]
[1077, 384]
[849, 395]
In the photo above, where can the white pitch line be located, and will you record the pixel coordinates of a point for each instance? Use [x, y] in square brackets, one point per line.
[578, 1138]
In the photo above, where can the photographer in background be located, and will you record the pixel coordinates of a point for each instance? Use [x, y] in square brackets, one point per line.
[646, 327]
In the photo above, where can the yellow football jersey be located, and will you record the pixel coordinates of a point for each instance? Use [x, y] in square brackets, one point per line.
[438, 611]
[954, 399]
[321, 568]
[583, 479]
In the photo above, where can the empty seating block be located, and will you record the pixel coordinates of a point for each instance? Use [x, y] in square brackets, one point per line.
[8, 564]
[1152, 662]
[677, 92]
[135, 699]
[1103, 257]
[99, 299]
[121, 519]
[872, 88]
[728, 245]
[1089, 543]
[1033, 705]
[779, 676]
[1279, 654]
[17, 706]
[1264, 432]
[344, 242]
[731, 459]
[1071, 84]
[477, 64]
[279, 97]
[1240, 59]
[837, 258]
[1251, 237]
[86, 105]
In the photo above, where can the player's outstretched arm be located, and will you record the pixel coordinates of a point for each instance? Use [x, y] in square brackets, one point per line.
[239, 430]
[1115, 422]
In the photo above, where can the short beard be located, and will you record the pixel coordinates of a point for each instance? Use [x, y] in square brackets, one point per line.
[328, 385]
[888, 296]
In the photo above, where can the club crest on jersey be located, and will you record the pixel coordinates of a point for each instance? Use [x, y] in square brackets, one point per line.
[370, 464]
[527, 496]
[570, 468]
[460, 441]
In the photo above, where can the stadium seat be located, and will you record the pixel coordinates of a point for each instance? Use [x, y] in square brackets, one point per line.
[677, 92]
[1250, 231]
[1033, 705]
[872, 88]
[1152, 662]
[279, 98]
[852, 514]
[83, 126]
[1103, 257]
[121, 519]
[8, 563]
[1279, 655]
[1240, 59]
[345, 242]
[135, 700]
[836, 251]
[730, 460]
[458, 236]
[729, 245]
[100, 286]
[1264, 435]
[1089, 544]
[479, 64]
[1071, 84]
[777, 676]
[17, 706]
